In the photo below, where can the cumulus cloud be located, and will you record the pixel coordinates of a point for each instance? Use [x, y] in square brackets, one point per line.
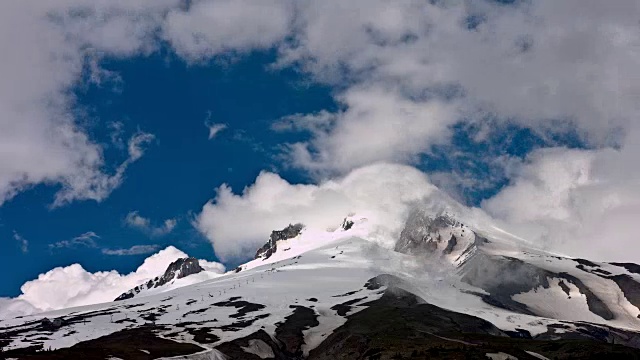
[44, 53]
[580, 202]
[134, 220]
[87, 239]
[134, 250]
[84, 288]
[212, 266]
[208, 28]
[237, 224]
[554, 68]
[378, 124]
[404, 73]
[535, 63]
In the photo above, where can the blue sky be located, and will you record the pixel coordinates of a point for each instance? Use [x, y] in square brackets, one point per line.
[182, 167]
[180, 171]
[514, 107]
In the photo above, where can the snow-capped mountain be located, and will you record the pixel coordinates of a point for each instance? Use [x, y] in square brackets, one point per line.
[176, 270]
[449, 288]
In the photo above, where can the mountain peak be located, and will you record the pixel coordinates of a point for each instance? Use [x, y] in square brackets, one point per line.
[271, 246]
[176, 270]
[442, 233]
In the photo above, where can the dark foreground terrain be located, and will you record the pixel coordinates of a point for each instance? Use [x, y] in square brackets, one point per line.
[399, 325]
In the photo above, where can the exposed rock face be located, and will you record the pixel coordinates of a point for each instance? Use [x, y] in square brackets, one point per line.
[176, 270]
[500, 276]
[503, 277]
[425, 234]
[179, 269]
[271, 246]
[346, 224]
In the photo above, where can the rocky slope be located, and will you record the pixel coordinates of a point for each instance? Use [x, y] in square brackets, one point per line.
[277, 236]
[176, 270]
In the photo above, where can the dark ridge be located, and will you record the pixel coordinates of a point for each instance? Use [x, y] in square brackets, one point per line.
[519, 333]
[346, 224]
[176, 270]
[398, 322]
[133, 306]
[48, 326]
[234, 350]
[451, 244]
[241, 324]
[127, 295]
[630, 267]
[400, 325]
[594, 303]
[630, 288]
[564, 288]
[346, 294]
[381, 280]
[271, 246]
[199, 311]
[244, 307]
[595, 271]
[601, 271]
[345, 307]
[586, 262]
[503, 277]
[125, 344]
[203, 335]
[289, 332]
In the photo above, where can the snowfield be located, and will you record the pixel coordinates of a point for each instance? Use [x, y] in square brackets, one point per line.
[326, 272]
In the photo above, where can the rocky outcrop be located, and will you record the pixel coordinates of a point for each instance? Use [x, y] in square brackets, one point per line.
[179, 269]
[503, 277]
[424, 234]
[346, 224]
[176, 270]
[271, 246]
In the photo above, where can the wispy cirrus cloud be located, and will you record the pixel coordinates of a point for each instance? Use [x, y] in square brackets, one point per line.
[214, 129]
[136, 221]
[23, 243]
[87, 239]
[134, 250]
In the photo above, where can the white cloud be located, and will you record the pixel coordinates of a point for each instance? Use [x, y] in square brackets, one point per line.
[87, 239]
[580, 202]
[44, 46]
[99, 185]
[214, 129]
[379, 124]
[212, 266]
[134, 250]
[405, 72]
[237, 225]
[24, 243]
[208, 28]
[134, 220]
[83, 287]
[408, 70]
